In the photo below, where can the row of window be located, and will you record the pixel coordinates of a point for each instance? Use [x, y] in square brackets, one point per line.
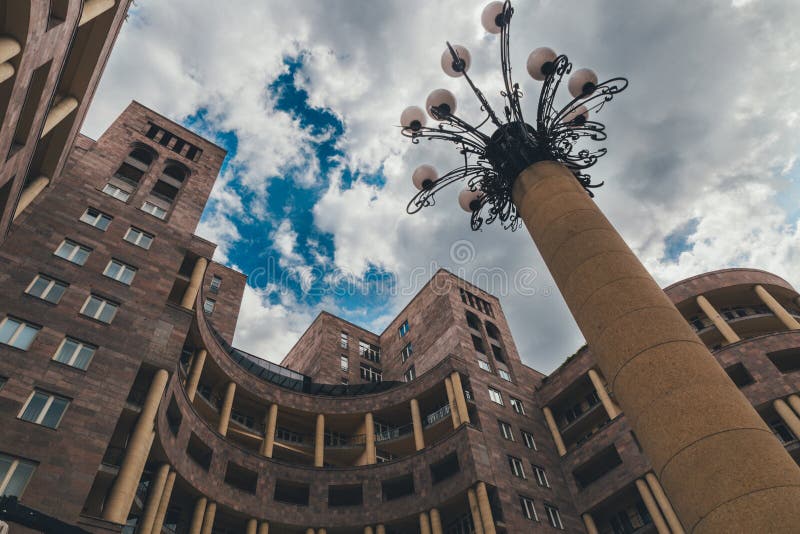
[101, 221]
[507, 433]
[529, 511]
[20, 335]
[476, 302]
[99, 308]
[502, 373]
[497, 397]
[519, 471]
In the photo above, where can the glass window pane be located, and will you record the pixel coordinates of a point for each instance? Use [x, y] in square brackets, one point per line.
[53, 415]
[108, 312]
[127, 275]
[103, 222]
[112, 270]
[34, 407]
[38, 287]
[84, 357]
[145, 241]
[92, 306]
[81, 255]
[56, 292]
[65, 250]
[19, 479]
[66, 351]
[25, 337]
[7, 330]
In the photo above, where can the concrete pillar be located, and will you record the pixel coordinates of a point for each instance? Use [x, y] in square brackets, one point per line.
[319, 442]
[252, 526]
[62, 107]
[368, 530]
[195, 281]
[153, 499]
[263, 528]
[322, 531]
[166, 495]
[475, 511]
[310, 530]
[416, 423]
[30, 192]
[369, 436]
[716, 458]
[600, 389]
[195, 371]
[424, 523]
[225, 411]
[551, 424]
[775, 307]
[663, 503]
[269, 431]
[652, 507]
[487, 520]
[788, 416]
[123, 491]
[451, 401]
[436, 521]
[208, 520]
[458, 393]
[93, 8]
[6, 71]
[9, 47]
[197, 517]
[719, 321]
[380, 529]
[794, 402]
[588, 521]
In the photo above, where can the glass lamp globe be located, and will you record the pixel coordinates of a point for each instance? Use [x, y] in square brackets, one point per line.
[470, 200]
[424, 177]
[449, 65]
[582, 82]
[413, 117]
[577, 116]
[541, 63]
[491, 17]
[443, 100]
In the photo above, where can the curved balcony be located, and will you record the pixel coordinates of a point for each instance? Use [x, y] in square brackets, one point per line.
[725, 278]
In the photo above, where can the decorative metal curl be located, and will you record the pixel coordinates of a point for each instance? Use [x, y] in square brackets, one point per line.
[491, 163]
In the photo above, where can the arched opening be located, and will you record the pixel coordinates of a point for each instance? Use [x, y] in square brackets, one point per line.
[176, 172]
[492, 331]
[473, 321]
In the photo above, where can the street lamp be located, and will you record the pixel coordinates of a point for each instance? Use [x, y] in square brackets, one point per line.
[718, 461]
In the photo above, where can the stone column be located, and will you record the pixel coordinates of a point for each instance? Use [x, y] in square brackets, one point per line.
[369, 436]
[652, 507]
[475, 511]
[62, 107]
[119, 501]
[319, 442]
[368, 530]
[775, 307]
[164, 504]
[416, 423]
[153, 499]
[208, 520]
[6, 71]
[424, 523]
[310, 530]
[663, 503]
[794, 402]
[263, 528]
[322, 531]
[451, 401]
[485, 508]
[30, 192]
[719, 321]
[600, 389]
[458, 393]
[252, 526]
[269, 431]
[588, 521]
[718, 461]
[195, 371]
[551, 424]
[436, 521]
[225, 411]
[195, 281]
[197, 517]
[380, 529]
[9, 47]
[93, 8]
[788, 416]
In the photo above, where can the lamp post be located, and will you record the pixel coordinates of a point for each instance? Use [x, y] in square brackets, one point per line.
[718, 461]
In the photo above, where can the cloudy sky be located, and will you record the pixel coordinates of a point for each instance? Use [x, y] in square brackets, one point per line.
[306, 95]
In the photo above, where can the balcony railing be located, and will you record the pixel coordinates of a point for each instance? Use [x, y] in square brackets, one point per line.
[394, 433]
[438, 415]
[339, 441]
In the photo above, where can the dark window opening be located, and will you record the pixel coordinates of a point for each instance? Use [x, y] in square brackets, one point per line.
[174, 417]
[192, 153]
[291, 492]
[787, 361]
[165, 191]
[445, 468]
[165, 139]
[345, 495]
[597, 466]
[152, 131]
[241, 478]
[142, 155]
[173, 171]
[498, 354]
[29, 107]
[129, 174]
[739, 375]
[396, 488]
[473, 321]
[199, 451]
[478, 344]
[492, 331]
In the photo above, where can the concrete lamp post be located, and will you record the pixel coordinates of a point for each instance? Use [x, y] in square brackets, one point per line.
[720, 464]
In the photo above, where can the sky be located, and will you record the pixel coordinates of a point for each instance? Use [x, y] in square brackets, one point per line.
[702, 170]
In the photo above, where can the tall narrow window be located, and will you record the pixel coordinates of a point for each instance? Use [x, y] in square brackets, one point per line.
[478, 344]
[140, 238]
[410, 374]
[528, 510]
[505, 431]
[74, 353]
[96, 218]
[14, 475]
[405, 354]
[99, 308]
[343, 340]
[495, 396]
[527, 437]
[44, 409]
[72, 251]
[344, 363]
[208, 306]
[121, 272]
[518, 406]
[404, 328]
[46, 288]
[16, 333]
[541, 476]
[216, 282]
[516, 466]
[553, 517]
[370, 374]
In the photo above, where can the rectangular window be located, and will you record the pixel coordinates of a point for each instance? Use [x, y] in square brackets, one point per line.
[553, 516]
[208, 306]
[46, 289]
[527, 437]
[486, 366]
[404, 328]
[44, 409]
[17, 333]
[495, 396]
[116, 192]
[502, 373]
[96, 218]
[516, 466]
[405, 354]
[99, 308]
[528, 509]
[121, 272]
[140, 238]
[410, 374]
[541, 476]
[369, 351]
[344, 363]
[75, 353]
[155, 211]
[72, 251]
[478, 344]
[343, 340]
[370, 374]
[517, 405]
[216, 281]
[14, 475]
[505, 430]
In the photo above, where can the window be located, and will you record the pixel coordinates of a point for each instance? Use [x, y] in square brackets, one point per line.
[528, 511]
[495, 396]
[3, 381]
[44, 409]
[344, 381]
[541, 476]
[99, 308]
[553, 516]
[527, 438]
[14, 475]
[473, 321]
[75, 353]
[492, 331]
[370, 373]
[498, 354]
[17, 333]
[405, 354]
[369, 351]
[116, 192]
[140, 238]
[120, 272]
[46, 289]
[516, 466]
[502, 373]
[517, 405]
[410, 374]
[208, 306]
[96, 218]
[344, 363]
[486, 366]
[478, 344]
[72, 251]
[404, 328]
[343, 340]
[782, 432]
[216, 281]
[505, 430]
[155, 211]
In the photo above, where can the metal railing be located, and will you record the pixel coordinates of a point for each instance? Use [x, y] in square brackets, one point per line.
[394, 433]
[438, 415]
